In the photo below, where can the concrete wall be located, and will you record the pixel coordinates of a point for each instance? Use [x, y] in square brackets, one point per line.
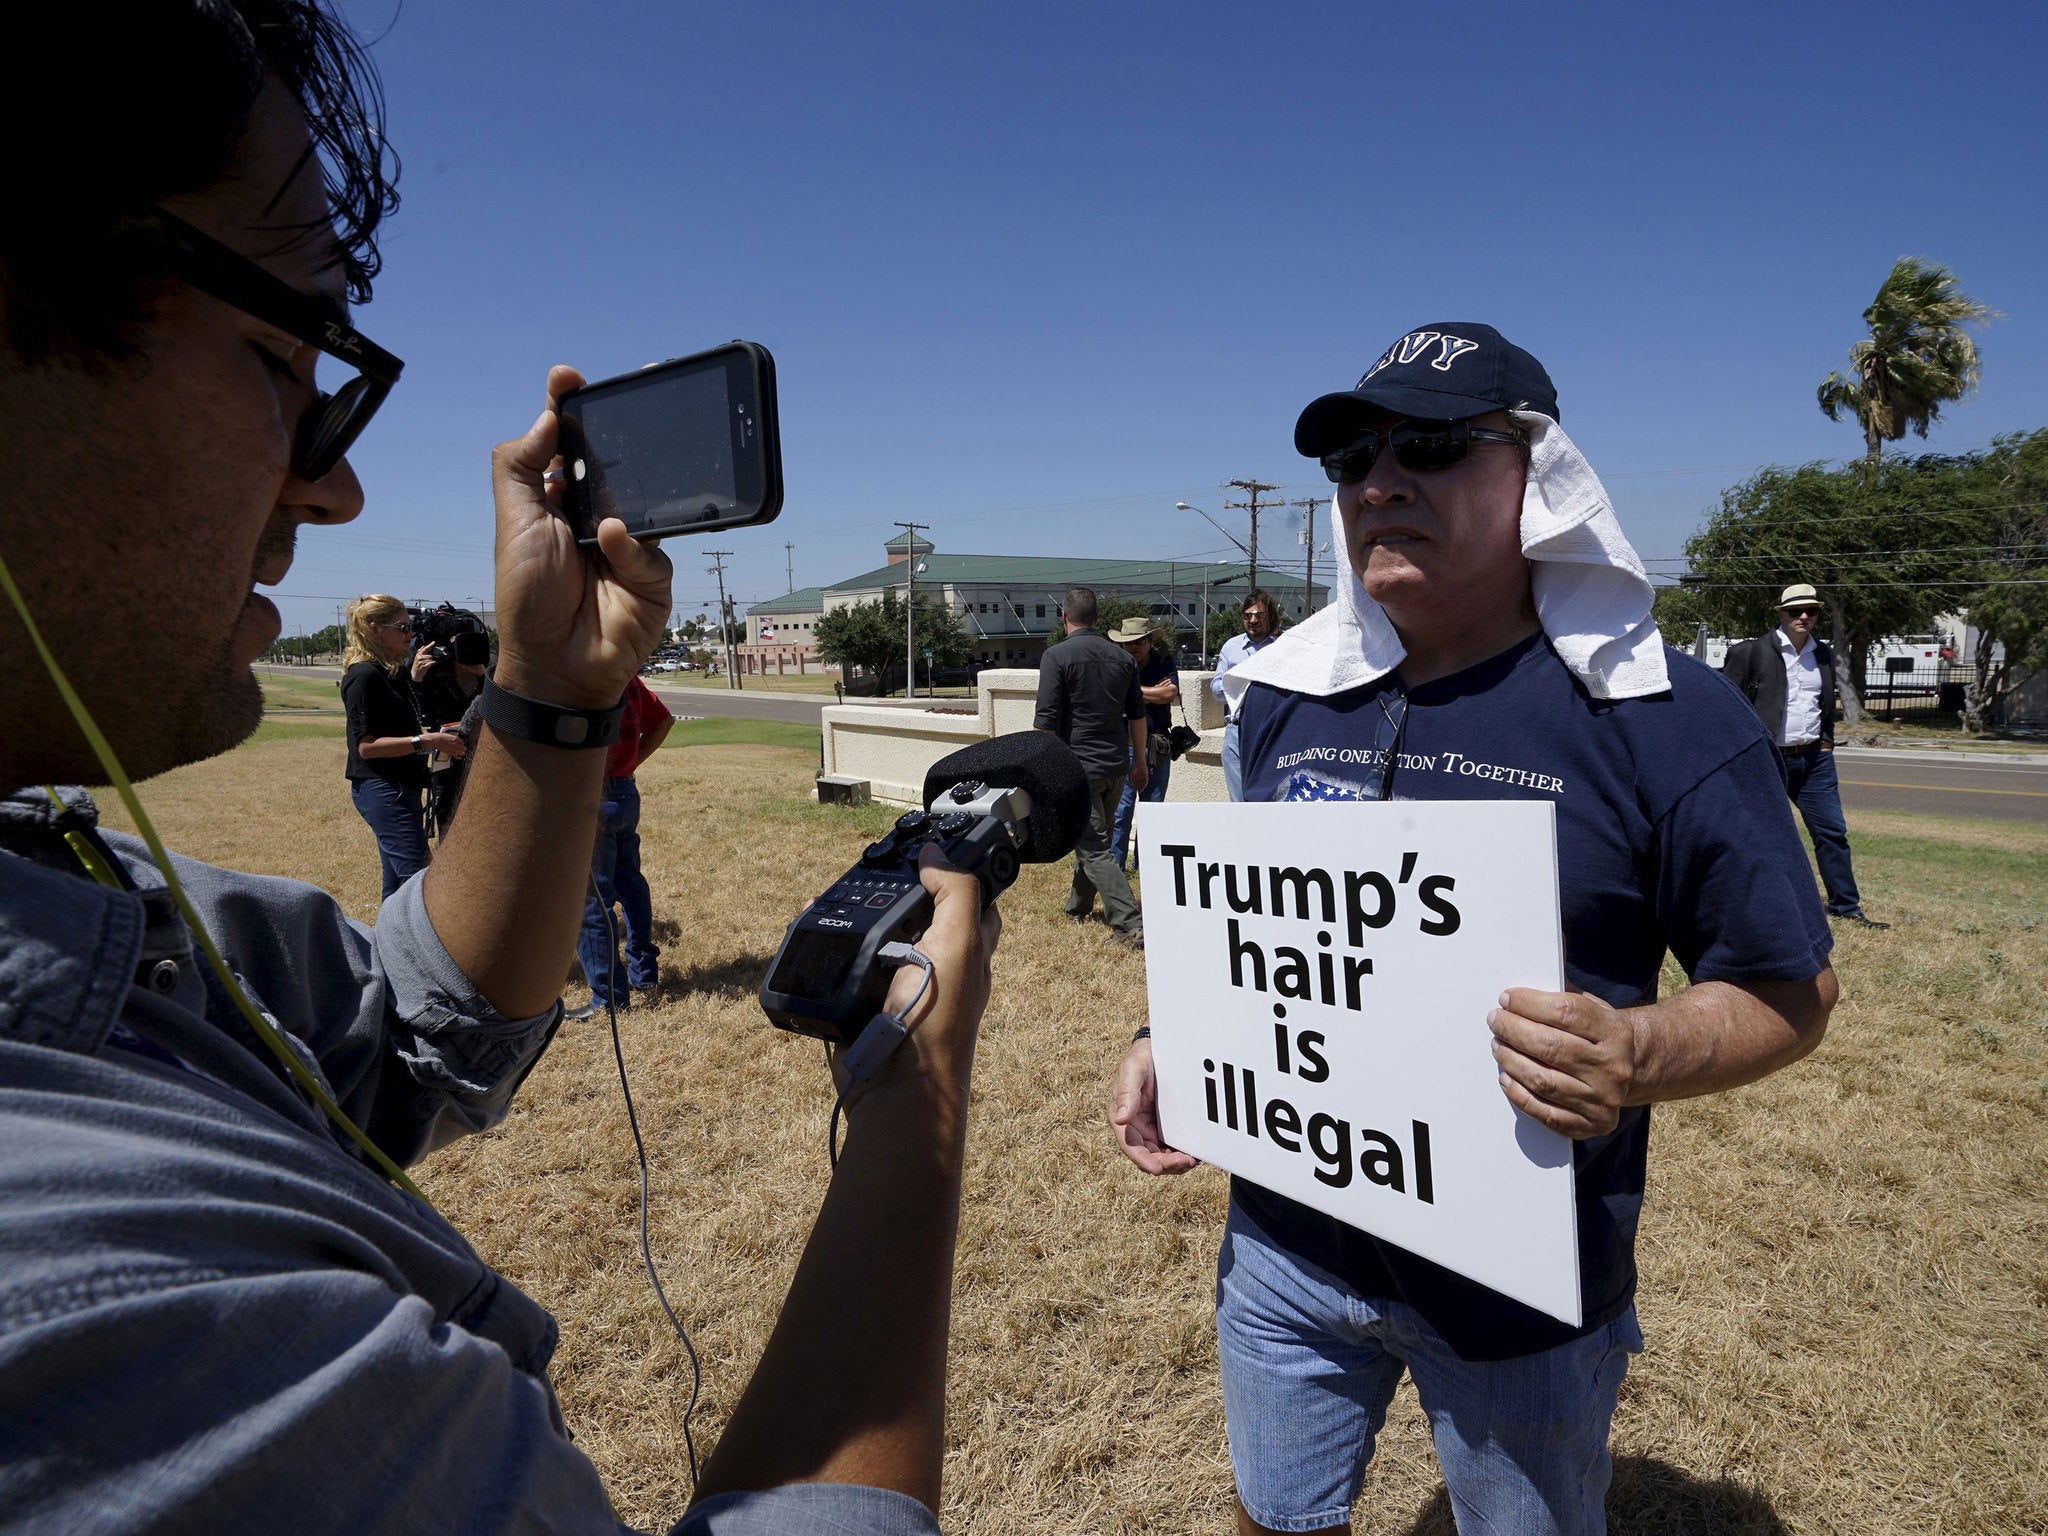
[892, 748]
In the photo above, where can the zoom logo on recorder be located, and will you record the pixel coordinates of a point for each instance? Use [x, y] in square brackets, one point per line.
[1017, 799]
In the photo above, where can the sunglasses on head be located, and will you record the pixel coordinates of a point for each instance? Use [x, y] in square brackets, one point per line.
[1417, 445]
[333, 422]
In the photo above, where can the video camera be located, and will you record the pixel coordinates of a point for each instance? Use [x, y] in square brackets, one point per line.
[1017, 799]
[458, 634]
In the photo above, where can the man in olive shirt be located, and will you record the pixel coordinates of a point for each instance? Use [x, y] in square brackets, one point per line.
[1088, 696]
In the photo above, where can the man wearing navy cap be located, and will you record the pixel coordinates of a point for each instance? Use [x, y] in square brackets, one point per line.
[1494, 616]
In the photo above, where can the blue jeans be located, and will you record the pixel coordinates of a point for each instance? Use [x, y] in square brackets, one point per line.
[1309, 1367]
[393, 813]
[1233, 771]
[615, 869]
[1811, 781]
[1120, 832]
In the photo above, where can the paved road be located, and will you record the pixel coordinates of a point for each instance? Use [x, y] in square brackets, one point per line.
[725, 703]
[2000, 788]
[803, 708]
[1903, 779]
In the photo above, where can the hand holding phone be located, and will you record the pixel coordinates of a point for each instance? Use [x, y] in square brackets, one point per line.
[691, 445]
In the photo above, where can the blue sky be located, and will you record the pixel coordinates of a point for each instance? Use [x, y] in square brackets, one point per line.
[1032, 273]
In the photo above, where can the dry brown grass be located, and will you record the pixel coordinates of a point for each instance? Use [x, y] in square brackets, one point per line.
[1845, 1267]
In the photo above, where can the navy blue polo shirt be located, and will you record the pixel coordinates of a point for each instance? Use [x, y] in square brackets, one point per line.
[1673, 832]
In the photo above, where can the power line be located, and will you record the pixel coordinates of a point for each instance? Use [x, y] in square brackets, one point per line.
[1253, 490]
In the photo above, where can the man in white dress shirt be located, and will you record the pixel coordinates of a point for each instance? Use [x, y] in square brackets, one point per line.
[1789, 677]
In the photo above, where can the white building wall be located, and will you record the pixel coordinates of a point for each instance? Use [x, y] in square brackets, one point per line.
[893, 748]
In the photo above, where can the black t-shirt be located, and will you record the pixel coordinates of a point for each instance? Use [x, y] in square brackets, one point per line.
[1087, 696]
[1157, 669]
[379, 704]
[1673, 830]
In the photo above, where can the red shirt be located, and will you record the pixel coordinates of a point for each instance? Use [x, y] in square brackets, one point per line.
[643, 713]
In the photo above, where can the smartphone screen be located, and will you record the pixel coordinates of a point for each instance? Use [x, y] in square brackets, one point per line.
[681, 447]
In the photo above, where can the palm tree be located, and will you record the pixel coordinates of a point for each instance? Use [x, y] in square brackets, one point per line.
[1916, 359]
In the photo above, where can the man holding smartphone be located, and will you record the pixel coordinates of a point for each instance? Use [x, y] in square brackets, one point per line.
[216, 1313]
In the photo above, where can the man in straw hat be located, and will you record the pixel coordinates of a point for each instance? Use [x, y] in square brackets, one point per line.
[1159, 687]
[1491, 638]
[1788, 675]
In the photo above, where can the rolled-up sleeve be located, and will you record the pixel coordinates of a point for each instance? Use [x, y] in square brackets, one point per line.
[466, 1058]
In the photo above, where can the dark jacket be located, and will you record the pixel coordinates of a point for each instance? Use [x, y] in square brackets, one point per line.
[1087, 696]
[1758, 670]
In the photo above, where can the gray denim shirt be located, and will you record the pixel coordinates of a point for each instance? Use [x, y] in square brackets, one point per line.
[215, 1315]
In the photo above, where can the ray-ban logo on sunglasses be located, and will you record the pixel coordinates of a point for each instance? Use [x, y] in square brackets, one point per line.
[1415, 344]
[340, 338]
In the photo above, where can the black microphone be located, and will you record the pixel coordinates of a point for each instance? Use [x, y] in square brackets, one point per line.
[1038, 763]
[988, 808]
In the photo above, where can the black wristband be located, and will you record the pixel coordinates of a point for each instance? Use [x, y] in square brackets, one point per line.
[551, 725]
[1144, 1033]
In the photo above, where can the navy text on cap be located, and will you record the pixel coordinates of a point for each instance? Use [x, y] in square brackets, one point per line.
[1443, 372]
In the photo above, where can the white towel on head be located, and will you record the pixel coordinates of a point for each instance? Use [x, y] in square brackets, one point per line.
[1592, 597]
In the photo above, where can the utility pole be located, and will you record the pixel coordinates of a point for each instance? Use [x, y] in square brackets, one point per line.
[1253, 490]
[789, 554]
[1308, 537]
[732, 676]
[910, 606]
[1173, 610]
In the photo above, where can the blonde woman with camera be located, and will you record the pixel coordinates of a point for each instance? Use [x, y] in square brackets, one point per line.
[387, 746]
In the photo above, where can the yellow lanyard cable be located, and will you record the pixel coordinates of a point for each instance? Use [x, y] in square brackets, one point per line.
[265, 1030]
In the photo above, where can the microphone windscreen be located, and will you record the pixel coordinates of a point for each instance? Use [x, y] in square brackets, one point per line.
[1036, 762]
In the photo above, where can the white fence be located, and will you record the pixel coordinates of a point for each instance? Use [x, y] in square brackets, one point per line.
[891, 747]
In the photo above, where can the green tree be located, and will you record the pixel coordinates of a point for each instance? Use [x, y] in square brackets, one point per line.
[322, 642]
[1890, 544]
[1679, 612]
[2010, 609]
[1916, 359]
[870, 635]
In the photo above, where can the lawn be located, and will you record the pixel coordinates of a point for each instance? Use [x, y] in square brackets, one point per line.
[1845, 1267]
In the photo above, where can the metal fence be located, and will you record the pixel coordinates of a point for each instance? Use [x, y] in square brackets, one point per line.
[1914, 694]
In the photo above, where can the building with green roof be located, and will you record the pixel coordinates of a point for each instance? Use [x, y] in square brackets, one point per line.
[1009, 603]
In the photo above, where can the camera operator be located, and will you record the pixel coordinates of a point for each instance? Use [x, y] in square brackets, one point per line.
[387, 745]
[214, 1314]
[452, 654]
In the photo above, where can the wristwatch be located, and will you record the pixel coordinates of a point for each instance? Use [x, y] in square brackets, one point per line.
[551, 725]
[419, 744]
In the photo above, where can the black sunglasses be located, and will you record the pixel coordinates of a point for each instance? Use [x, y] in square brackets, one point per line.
[1417, 445]
[333, 422]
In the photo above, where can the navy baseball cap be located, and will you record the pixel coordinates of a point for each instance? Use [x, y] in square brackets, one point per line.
[1441, 372]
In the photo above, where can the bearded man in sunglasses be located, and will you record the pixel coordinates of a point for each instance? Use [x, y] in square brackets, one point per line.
[223, 1305]
[1493, 640]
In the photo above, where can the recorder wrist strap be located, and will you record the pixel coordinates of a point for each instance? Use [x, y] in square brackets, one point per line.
[551, 725]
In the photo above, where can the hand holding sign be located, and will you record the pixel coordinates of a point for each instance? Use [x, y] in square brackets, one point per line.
[1134, 1115]
[1322, 980]
[1566, 1058]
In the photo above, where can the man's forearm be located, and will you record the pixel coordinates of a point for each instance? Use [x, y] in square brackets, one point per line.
[505, 891]
[1717, 1035]
[852, 1385]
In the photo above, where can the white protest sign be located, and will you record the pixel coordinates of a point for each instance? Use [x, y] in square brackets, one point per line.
[1319, 978]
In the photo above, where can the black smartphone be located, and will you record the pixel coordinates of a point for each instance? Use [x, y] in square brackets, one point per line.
[686, 446]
